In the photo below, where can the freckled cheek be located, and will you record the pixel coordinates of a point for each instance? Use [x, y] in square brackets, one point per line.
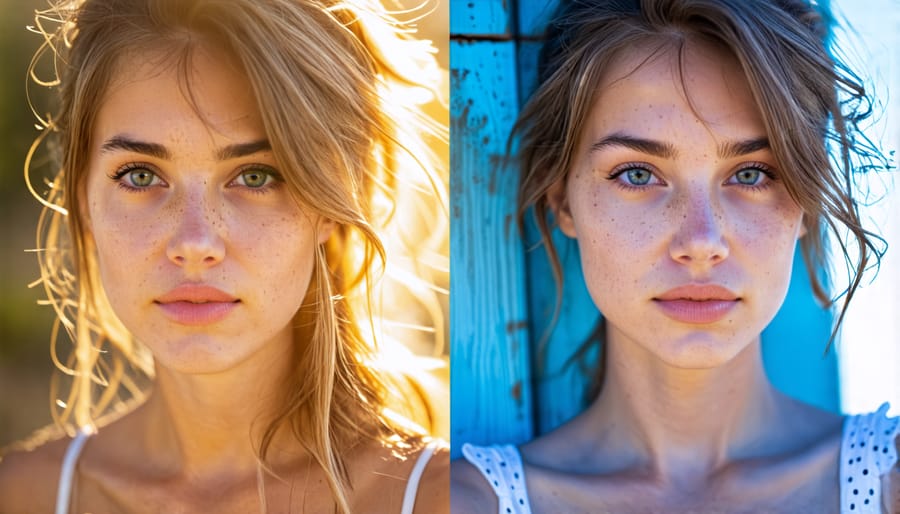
[285, 242]
[615, 240]
[767, 230]
[617, 230]
[126, 236]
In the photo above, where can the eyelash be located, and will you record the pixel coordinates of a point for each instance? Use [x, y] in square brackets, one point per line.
[120, 173]
[621, 169]
[763, 168]
[276, 182]
[276, 179]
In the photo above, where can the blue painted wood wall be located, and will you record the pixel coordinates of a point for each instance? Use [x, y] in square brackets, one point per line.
[509, 382]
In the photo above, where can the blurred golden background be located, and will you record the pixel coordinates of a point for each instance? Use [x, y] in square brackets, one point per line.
[25, 364]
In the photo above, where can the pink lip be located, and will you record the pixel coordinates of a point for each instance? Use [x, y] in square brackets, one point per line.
[697, 304]
[196, 304]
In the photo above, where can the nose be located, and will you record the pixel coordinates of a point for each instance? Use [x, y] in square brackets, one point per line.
[197, 241]
[699, 239]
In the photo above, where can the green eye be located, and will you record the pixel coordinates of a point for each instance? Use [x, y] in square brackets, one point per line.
[142, 177]
[255, 178]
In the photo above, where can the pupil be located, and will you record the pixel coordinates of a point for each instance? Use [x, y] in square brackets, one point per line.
[254, 179]
[141, 178]
[638, 176]
[748, 176]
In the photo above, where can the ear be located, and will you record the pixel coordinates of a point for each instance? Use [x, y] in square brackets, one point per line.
[802, 227]
[558, 200]
[324, 229]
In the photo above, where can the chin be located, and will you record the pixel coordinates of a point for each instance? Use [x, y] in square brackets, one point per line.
[199, 354]
[699, 350]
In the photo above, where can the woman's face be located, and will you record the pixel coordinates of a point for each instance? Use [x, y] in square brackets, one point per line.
[202, 252]
[686, 232]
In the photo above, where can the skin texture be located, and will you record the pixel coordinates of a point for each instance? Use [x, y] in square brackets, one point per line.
[194, 217]
[198, 222]
[693, 222]
[686, 420]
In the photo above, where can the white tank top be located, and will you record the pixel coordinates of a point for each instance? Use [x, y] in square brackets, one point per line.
[67, 474]
[867, 453]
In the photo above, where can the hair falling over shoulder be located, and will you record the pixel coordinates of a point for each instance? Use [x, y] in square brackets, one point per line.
[341, 87]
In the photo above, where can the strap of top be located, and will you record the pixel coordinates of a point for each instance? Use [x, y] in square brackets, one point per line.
[867, 453]
[64, 493]
[501, 466]
[412, 484]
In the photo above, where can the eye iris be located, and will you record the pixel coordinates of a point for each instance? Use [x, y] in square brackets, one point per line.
[748, 176]
[254, 178]
[141, 178]
[638, 176]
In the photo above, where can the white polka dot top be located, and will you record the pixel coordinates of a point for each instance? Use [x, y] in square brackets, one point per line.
[501, 466]
[867, 453]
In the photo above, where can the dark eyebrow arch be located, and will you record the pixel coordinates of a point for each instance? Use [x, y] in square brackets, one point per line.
[739, 148]
[130, 145]
[243, 149]
[159, 151]
[647, 146]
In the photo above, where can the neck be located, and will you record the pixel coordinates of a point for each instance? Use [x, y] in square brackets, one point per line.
[211, 425]
[683, 423]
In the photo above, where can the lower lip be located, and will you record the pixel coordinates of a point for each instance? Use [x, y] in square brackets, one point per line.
[696, 312]
[196, 314]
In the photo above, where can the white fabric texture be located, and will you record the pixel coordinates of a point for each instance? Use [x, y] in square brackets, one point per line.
[501, 466]
[867, 452]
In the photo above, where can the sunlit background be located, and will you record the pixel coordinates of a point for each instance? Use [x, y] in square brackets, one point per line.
[25, 365]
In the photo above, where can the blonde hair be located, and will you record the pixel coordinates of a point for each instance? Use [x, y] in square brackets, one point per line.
[807, 99]
[333, 81]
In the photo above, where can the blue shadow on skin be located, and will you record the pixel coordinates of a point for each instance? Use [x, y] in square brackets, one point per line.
[793, 345]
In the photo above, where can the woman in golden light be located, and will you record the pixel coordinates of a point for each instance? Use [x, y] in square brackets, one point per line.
[211, 245]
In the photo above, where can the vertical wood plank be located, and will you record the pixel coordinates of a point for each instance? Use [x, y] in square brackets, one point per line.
[491, 395]
[481, 18]
[533, 16]
[562, 379]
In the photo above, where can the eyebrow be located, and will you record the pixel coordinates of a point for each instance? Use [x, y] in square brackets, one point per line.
[648, 146]
[739, 148]
[664, 150]
[124, 143]
[243, 149]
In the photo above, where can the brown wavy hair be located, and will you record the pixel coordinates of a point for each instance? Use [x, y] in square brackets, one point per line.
[807, 98]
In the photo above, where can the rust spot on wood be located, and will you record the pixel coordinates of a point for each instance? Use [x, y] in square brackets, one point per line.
[517, 391]
[514, 326]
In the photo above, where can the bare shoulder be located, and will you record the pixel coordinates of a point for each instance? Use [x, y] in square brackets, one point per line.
[29, 475]
[380, 473]
[470, 492]
[434, 488]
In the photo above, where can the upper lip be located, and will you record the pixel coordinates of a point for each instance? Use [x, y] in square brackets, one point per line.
[196, 293]
[698, 293]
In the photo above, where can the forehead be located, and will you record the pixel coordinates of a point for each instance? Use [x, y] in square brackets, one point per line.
[652, 83]
[155, 94]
